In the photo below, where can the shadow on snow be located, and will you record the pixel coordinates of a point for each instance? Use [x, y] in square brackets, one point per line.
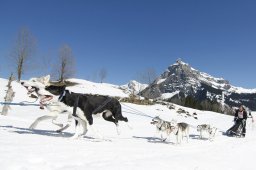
[20, 130]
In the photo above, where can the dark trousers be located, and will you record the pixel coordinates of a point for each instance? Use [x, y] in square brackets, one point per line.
[243, 121]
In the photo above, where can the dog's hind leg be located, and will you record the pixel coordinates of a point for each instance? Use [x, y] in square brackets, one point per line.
[96, 132]
[35, 123]
[108, 116]
[118, 129]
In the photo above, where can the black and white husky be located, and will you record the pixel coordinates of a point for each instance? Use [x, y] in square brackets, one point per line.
[86, 105]
[179, 129]
[206, 128]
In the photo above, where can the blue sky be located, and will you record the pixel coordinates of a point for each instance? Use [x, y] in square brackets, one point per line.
[128, 36]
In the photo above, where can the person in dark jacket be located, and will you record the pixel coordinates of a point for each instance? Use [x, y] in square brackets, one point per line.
[241, 117]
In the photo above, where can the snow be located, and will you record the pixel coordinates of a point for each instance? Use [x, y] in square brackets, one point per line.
[96, 88]
[240, 90]
[135, 148]
[168, 95]
[160, 81]
[133, 87]
[215, 82]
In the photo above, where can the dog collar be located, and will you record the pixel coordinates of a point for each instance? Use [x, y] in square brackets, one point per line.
[62, 95]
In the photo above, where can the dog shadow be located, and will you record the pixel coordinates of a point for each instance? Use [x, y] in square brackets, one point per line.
[94, 139]
[50, 133]
[154, 140]
[197, 137]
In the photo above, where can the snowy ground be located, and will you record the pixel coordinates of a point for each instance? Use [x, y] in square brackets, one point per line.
[135, 148]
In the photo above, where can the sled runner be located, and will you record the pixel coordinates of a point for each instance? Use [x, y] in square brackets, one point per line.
[237, 129]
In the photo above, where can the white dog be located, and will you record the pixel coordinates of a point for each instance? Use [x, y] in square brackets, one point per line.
[49, 101]
[207, 129]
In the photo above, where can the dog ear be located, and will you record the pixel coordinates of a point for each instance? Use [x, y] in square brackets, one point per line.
[46, 80]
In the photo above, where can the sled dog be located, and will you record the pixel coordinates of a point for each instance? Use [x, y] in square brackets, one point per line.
[162, 126]
[88, 105]
[48, 101]
[207, 129]
[178, 129]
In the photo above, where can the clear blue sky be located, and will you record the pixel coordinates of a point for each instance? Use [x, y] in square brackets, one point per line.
[128, 36]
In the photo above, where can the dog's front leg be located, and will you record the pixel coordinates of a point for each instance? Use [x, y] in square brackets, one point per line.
[84, 126]
[96, 131]
[67, 125]
[35, 123]
[179, 136]
[162, 137]
[76, 135]
[156, 133]
[89, 117]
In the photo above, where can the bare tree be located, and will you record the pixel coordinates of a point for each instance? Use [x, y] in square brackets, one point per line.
[102, 74]
[147, 76]
[9, 96]
[66, 63]
[23, 51]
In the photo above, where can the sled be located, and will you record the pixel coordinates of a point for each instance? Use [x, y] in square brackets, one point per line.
[236, 130]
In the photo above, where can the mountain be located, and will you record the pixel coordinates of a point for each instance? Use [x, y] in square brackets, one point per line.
[184, 85]
[133, 87]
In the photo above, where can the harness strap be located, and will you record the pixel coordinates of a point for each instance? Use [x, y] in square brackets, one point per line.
[18, 104]
[161, 125]
[102, 105]
[62, 95]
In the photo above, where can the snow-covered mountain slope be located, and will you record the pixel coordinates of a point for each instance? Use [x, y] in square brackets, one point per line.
[88, 87]
[133, 87]
[181, 80]
[137, 147]
[84, 86]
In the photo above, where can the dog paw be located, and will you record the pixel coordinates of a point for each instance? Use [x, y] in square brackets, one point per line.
[90, 122]
[164, 139]
[59, 131]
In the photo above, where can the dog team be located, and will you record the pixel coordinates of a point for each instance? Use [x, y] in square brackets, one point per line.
[181, 130]
[81, 107]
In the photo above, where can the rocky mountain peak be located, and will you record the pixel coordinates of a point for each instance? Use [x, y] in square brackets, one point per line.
[183, 80]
